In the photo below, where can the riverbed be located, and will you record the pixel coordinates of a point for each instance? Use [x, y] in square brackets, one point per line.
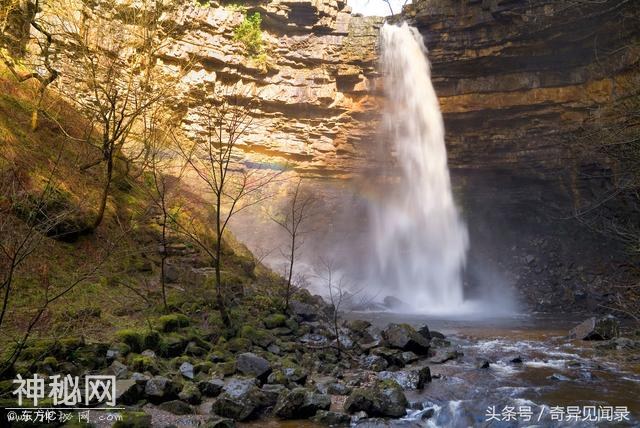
[559, 382]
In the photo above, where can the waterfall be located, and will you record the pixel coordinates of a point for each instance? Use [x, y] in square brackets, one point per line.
[418, 238]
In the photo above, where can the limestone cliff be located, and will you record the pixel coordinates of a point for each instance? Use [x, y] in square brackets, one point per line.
[516, 81]
[314, 91]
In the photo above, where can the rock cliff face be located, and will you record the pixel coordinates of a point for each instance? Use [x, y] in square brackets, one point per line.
[314, 91]
[516, 81]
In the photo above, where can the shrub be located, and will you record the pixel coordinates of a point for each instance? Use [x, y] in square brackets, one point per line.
[249, 34]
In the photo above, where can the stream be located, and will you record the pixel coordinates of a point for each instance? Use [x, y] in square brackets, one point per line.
[555, 374]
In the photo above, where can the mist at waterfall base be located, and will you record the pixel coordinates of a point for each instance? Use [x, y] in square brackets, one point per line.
[393, 230]
[418, 241]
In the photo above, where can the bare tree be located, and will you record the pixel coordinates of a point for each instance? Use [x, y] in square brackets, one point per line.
[112, 72]
[39, 66]
[160, 186]
[336, 288]
[293, 218]
[216, 159]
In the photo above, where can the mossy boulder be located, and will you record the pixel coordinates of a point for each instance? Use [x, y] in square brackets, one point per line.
[257, 336]
[241, 400]
[384, 399]
[239, 344]
[177, 407]
[144, 363]
[300, 403]
[275, 321]
[132, 338]
[173, 322]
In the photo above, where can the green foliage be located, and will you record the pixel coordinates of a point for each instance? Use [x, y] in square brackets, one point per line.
[249, 34]
[173, 322]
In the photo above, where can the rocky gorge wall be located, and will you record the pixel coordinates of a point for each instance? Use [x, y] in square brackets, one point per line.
[517, 81]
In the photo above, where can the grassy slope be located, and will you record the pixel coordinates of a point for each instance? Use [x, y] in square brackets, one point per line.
[124, 293]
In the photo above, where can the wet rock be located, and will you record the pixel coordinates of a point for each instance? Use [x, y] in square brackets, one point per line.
[404, 337]
[558, 377]
[314, 339]
[176, 407]
[482, 363]
[409, 357]
[391, 356]
[218, 422]
[408, 379]
[249, 364]
[596, 329]
[436, 335]
[271, 393]
[211, 387]
[516, 360]
[384, 399]
[424, 332]
[160, 388]
[186, 370]
[619, 343]
[358, 326]
[300, 403]
[375, 363]
[444, 355]
[334, 419]
[241, 400]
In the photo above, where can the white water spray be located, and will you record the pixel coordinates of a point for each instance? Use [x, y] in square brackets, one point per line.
[420, 242]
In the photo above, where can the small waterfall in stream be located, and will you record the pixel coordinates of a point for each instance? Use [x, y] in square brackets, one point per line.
[419, 240]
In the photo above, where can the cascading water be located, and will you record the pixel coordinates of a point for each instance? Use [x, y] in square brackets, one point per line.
[420, 242]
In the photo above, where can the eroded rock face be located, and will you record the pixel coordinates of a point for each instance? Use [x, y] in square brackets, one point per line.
[517, 80]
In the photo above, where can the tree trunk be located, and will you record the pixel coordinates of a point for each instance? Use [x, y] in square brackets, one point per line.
[105, 193]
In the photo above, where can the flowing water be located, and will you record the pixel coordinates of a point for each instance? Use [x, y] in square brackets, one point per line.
[418, 238]
[555, 372]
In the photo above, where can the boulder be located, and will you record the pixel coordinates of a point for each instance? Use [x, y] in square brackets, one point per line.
[241, 400]
[482, 363]
[404, 337]
[424, 332]
[384, 399]
[211, 387]
[249, 364]
[218, 422]
[443, 355]
[392, 356]
[408, 379]
[119, 370]
[176, 407]
[128, 391]
[596, 329]
[272, 392]
[375, 363]
[186, 370]
[159, 389]
[190, 394]
[304, 311]
[300, 403]
[333, 419]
